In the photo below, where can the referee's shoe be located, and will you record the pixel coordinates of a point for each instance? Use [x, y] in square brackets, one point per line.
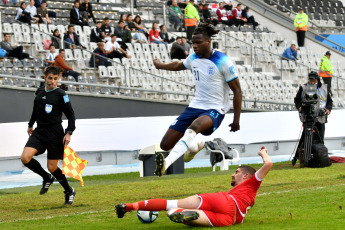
[46, 184]
[69, 197]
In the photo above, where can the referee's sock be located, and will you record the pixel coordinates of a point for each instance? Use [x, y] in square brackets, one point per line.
[62, 179]
[36, 167]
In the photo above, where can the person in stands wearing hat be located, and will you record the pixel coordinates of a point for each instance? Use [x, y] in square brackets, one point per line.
[326, 71]
[300, 23]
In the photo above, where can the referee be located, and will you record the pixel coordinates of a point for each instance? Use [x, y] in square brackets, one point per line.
[49, 104]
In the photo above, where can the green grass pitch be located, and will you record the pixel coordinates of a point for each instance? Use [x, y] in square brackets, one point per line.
[289, 198]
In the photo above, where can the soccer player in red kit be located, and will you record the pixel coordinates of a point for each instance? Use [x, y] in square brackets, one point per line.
[211, 209]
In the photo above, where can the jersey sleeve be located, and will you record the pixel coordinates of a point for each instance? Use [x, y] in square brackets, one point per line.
[188, 61]
[68, 111]
[228, 70]
[255, 182]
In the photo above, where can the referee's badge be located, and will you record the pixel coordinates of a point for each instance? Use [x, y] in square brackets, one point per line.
[49, 108]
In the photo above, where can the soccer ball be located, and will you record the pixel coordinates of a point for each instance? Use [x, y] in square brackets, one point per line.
[147, 217]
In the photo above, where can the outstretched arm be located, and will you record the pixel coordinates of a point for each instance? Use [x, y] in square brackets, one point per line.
[237, 102]
[173, 66]
[262, 172]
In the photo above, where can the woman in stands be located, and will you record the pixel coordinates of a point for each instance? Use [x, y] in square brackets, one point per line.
[164, 34]
[56, 39]
[87, 7]
[22, 15]
[139, 26]
[154, 35]
[123, 18]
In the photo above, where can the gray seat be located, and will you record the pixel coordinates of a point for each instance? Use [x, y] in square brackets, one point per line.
[7, 81]
[7, 62]
[27, 72]
[37, 62]
[17, 62]
[5, 71]
[17, 72]
[72, 88]
[37, 71]
[83, 89]
[27, 63]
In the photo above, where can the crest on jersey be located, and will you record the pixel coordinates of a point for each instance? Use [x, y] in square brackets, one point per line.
[49, 108]
[232, 69]
[211, 70]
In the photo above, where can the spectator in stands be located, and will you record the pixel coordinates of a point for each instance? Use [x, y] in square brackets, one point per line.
[31, 8]
[96, 33]
[154, 35]
[22, 14]
[175, 15]
[222, 14]
[60, 62]
[75, 16]
[130, 22]
[38, 4]
[106, 30]
[163, 33]
[228, 5]
[123, 18]
[139, 26]
[43, 13]
[290, 53]
[207, 15]
[236, 16]
[100, 57]
[87, 7]
[113, 49]
[50, 58]
[72, 39]
[127, 35]
[250, 19]
[11, 50]
[177, 50]
[326, 71]
[191, 18]
[56, 39]
[182, 3]
[201, 15]
[301, 21]
[122, 35]
[185, 44]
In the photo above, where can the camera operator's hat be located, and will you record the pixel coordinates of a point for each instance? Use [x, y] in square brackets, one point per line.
[314, 75]
[328, 53]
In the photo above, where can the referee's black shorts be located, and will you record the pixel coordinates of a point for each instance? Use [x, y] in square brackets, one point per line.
[50, 139]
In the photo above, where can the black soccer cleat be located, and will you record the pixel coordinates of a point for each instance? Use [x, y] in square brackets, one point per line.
[69, 197]
[120, 210]
[181, 217]
[46, 184]
[160, 164]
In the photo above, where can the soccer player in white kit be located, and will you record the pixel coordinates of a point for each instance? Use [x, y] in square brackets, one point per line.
[215, 75]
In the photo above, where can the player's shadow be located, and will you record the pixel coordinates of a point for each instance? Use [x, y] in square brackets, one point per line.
[59, 207]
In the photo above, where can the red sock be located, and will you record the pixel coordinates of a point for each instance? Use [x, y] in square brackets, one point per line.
[148, 205]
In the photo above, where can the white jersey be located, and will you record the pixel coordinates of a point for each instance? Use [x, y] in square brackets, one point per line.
[212, 76]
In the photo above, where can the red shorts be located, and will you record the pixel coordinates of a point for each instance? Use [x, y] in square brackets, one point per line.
[219, 208]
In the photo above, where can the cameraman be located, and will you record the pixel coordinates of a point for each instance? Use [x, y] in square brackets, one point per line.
[323, 106]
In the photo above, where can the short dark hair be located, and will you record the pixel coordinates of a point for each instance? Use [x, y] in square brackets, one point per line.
[206, 29]
[98, 22]
[76, 1]
[106, 18]
[60, 50]
[239, 4]
[113, 35]
[51, 45]
[53, 70]
[247, 169]
[5, 34]
[44, 2]
[71, 25]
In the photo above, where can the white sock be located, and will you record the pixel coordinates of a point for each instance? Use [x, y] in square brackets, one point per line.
[171, 204]
[180, 148]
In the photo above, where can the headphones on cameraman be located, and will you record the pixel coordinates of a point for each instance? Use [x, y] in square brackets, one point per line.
[314, 74]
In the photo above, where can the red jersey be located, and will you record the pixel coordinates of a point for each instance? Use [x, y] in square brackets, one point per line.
[244, 196]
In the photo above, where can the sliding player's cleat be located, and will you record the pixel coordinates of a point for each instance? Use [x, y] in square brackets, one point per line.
[46, 184]
[120, 210]
[160, 164]
[181, 217]
[190, 154]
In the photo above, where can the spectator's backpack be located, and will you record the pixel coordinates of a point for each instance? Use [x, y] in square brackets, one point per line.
[320, 156]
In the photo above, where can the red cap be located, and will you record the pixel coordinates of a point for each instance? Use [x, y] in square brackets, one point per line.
[263, 147]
